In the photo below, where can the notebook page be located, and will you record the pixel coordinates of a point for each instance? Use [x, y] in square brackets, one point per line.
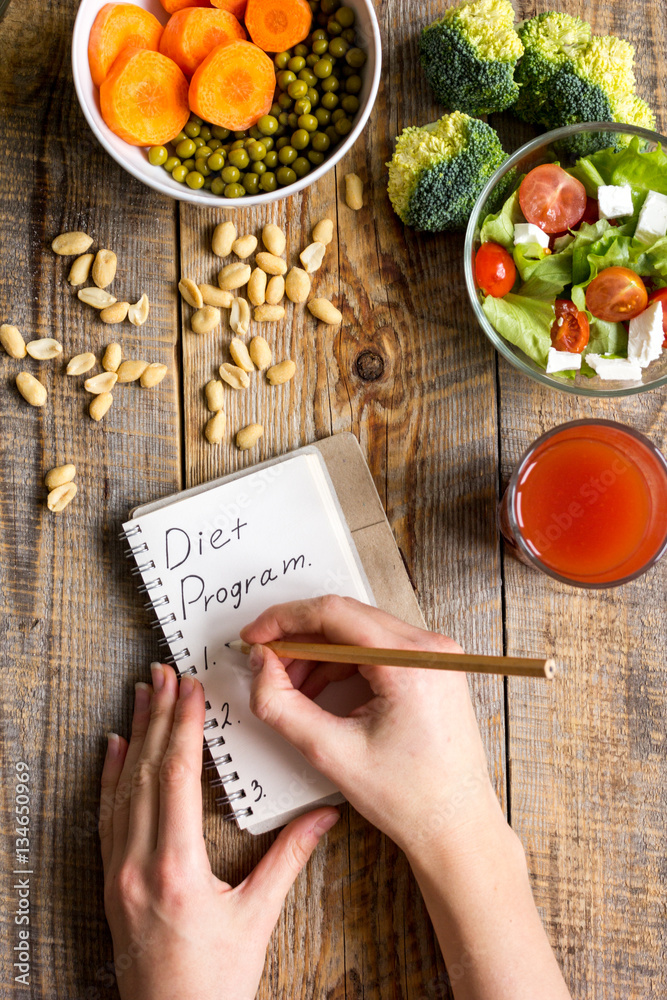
[216, 560]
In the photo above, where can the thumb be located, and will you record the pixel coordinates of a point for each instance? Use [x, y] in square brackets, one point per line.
[270, 881]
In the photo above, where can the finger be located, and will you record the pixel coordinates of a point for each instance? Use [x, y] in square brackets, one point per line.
[268, 884]
[325, 674]
[180, 814]
[113, 765]
[121, 811]
[144, 800]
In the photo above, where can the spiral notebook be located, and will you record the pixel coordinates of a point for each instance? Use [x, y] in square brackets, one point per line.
[212, 558]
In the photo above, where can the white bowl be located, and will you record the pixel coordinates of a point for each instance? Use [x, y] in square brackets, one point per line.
[134, 158]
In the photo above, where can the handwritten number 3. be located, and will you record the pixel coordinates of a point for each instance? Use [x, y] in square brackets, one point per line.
[258, 788]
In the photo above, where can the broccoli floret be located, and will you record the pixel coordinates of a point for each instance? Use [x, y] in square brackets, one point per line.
[438, 171]
[550, 42]
[470, 54]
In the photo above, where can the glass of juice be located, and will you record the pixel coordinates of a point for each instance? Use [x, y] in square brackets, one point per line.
[587, 504]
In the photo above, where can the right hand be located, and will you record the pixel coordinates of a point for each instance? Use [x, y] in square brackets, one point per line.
[410, 759]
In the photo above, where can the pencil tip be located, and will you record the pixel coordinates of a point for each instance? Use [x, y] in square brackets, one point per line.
[236, 645]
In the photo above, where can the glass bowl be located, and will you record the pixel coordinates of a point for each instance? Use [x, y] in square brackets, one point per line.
[545, 149]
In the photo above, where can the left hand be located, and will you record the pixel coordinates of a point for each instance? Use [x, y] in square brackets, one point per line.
[180, 933]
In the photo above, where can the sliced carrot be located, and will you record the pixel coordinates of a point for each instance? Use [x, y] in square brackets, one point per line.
[118, 26]
[234, 86]
[144, 99]
[277, 25]
[171, 6]
[235, 7]
[191, 34]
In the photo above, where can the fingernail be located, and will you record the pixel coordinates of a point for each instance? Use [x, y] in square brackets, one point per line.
[325, 824]
[113, 744]
[256, 658]
[187, 686]
[142, 696]
[157, 672]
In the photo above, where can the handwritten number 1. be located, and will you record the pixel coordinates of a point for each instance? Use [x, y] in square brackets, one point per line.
[256, 787]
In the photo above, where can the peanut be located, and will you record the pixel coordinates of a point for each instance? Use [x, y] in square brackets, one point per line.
[58, 499]
[297, 285]
[44, 349]
[112, 358]
[215, 427]
[234, 376]
[275, 289]
[191, 293]
[224, 235]
[354, 191]
[234, 276]
[58, 476]
[248, 436]
[257, 287]
[205, 319]
[12, 341]
[103, 382]
[152, 375]
[270, 263]
[244, 246]
[138, 313]
[115, 313]
[239, 317]
[32, 391]
[99, 405]
[80, 269]
[281, 372]
[273, 239]
[104, 268]
[240, 356]
[213, 296]
[260, 353]
[325, 311]
[312, 257]
[68, 244]
[268, 313]
[323, 232]
[214, 396]
[130, 371]
[95, 297]
[80, 363]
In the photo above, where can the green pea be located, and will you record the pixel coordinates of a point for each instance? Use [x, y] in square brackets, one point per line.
[296, 63]
[269, 142]
[205, 133]
[239, 158]
[200, 166]
[332, 134]
[313, 97]
[308, 76]
[318, 34]
[197, 119]
[157, 155]
[219, 132]
[282, 142]
[238, 144]
[192, 130]
[301, 50]
[350, 103]
[258, 168]
[204, 152]
[334, 27]
[214, 144]
[315, 157]
[330, 101]
[323, 116]
[284, 118]
[301, 107]
[287, 155]
[347, 71]
[217, 186]
[179, 138]
[189, 164]
[300, 138]
[195, 180]
[230, 174]
[268, 181]
[311, 60]
[320, 141]
[284, 78]
[179, 173]
[323, 69]
[338, 47]
[320, 46]
[343, 126]
[208, 183]
[297, 89]
[314, 6]
[353, 84]
[256, 152]
[274, 112]
[281, 59]
[285, 176]
[285, 102]
[271, 160]
[251, 183]
[345, 17]
[329, 6]
[330, 84]
[301, 166]
[170, 163]
[337, 115]
[198, 143]
[293, 120]
[234, 191]
[185, 148]
[216, 161]
[355, 58]
[350, 36]
[309, 122]
[239, 135]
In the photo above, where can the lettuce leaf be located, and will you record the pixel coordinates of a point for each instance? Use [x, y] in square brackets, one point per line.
[644, 171]
[526, 257]
[607, 338]
[549, 277]
[525, 322]
[499, 228]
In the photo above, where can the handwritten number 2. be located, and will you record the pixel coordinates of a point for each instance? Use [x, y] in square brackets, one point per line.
[225, 718]
[256, 787]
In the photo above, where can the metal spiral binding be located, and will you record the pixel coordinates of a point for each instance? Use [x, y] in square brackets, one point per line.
[148, 587]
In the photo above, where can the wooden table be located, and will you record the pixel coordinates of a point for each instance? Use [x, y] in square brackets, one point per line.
[579, 765]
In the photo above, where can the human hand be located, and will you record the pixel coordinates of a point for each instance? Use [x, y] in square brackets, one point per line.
[411, 759]
[178, 931]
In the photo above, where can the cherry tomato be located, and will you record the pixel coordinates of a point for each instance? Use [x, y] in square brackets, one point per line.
[660, 295]
[552, 199]
[571, 330]
[495, 270]
[616, 294]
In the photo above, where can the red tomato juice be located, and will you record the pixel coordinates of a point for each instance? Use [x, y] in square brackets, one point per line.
[590, 503]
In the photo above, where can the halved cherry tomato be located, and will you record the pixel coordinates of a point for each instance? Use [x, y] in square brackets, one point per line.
[616, 294]
[571, 330]
[495, 270]
[552, 199]
[660, 295]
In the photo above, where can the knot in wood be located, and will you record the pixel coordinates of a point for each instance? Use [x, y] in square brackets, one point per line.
[370, 366]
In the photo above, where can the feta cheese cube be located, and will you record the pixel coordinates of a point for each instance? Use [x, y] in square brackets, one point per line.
[614, 200]
[527, 232]
[616, 369]
[562, 361]
[646, 336]
[652, 224]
